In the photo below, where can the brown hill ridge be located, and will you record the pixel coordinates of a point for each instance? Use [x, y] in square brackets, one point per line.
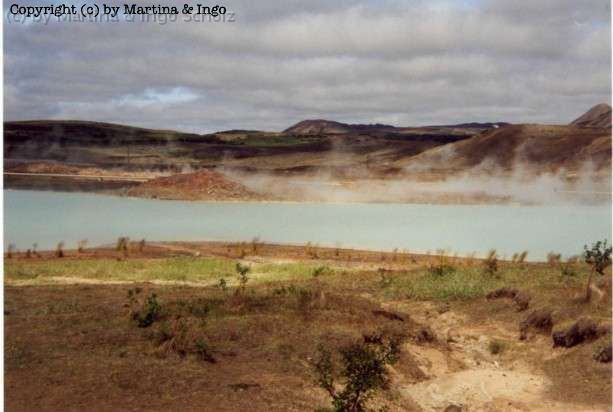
[331, 127]
[539, 147]
[597, 116]
[318, 126]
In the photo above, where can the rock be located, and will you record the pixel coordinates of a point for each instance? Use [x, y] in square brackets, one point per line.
[583, 330]
[540, 319]
[521, 299]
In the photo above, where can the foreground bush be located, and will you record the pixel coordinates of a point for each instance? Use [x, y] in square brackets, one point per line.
[599, 258]
[363, 371]
[149, 312]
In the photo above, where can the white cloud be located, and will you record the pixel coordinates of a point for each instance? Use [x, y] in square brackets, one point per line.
[414, 62]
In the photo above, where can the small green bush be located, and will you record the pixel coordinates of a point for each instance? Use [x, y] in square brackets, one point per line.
[363, 371]
[385, 279]
[223, 285]
[440, 269]
[496, 347]
[200, 308]
[321, 270]
[568, 270]
[149, 313]
[599, 258]
[242, 271]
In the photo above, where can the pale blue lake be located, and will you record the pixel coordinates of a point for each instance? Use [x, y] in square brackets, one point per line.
[49, 217]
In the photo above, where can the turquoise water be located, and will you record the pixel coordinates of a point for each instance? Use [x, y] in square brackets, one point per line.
[49, 217]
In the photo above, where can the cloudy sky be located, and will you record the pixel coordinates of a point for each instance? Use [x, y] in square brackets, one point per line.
[403, 62]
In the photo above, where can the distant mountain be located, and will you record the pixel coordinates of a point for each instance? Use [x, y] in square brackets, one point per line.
[318, 126]
[475, 125]
[597, 116]
[330, 127]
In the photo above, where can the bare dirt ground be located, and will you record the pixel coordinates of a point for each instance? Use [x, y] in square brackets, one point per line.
[71, 345]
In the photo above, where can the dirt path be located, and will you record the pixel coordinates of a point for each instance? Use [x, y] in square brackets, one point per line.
[469, 375]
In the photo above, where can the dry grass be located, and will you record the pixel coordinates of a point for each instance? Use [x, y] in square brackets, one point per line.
[78, 346]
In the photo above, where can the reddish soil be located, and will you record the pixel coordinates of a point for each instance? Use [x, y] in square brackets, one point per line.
[201, 185]
[43, 167]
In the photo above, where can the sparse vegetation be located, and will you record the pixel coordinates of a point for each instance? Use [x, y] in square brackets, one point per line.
[321, 270]
[311, 251]
[242, 272]
[567, 269]
[223, 285]
[385, 279]
[81, 245]
[599, 258]
[150, 310]
[441, 267]
[123, 245]
[363, 371]
[59, 250]
[141, 245]
[254, 245]
[496, 347]
[288, 309]
[554, 259]
[490, 264]
[10, 250]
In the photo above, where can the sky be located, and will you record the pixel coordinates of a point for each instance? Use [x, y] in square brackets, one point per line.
[271, 64]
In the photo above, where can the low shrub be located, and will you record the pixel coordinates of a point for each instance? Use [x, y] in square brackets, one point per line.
[59, 250]
[568, 269]
[385, 278]
[490, 264]
[496, 347]
[321, 270]
[242, 271]
[123, 245]
[440, 269]
[223, 285]
[599, 258]
[150, 310]
[363, 371]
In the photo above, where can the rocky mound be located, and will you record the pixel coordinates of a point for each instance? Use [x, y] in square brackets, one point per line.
[201, 185]
[597, 116]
